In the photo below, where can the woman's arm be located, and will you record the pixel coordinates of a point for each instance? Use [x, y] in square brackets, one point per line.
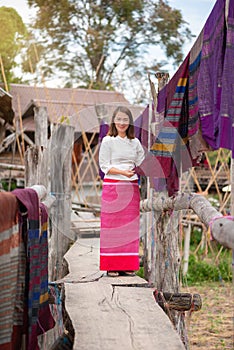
[105, 156]
[140, 156]
[115, 171]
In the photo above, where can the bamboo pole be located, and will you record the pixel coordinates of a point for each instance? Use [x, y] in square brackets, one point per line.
[17, 140]
[187, 236]
[12, 166]
[21, 124]
[3, 74]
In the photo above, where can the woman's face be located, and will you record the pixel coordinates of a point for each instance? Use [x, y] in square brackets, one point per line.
[121, 123]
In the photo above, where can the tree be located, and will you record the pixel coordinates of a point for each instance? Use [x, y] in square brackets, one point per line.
[12, 32]
[90, 39]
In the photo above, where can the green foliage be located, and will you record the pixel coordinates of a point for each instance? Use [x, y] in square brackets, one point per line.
[89, 39]
[140, 272]
[5, 185]
[206, 271]
[224, 156]
[195, 238]
[202, 266]
[12, 33]
[64, 120]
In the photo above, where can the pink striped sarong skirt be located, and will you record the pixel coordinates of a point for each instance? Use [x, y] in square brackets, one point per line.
[120, 220]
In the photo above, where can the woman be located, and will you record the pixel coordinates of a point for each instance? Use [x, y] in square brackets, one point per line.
[120, 152]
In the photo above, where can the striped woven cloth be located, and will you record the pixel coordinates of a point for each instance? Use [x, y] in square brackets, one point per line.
[29, 199]
[166, 143]
[12, 274]
[45, 319]
[39, 318]
[194, 65]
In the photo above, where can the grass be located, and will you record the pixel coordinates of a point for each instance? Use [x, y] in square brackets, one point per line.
[212, 328]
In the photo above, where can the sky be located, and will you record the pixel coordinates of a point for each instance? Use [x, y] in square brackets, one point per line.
[194, 12]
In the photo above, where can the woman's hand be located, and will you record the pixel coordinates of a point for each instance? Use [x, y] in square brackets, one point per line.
[128, 173]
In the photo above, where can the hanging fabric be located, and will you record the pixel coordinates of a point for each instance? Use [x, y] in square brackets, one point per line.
[12, 274]
[211, 74]
[227, 96]
[38, 318]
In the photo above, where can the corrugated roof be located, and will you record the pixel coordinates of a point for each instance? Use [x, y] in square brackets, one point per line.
[81, 106]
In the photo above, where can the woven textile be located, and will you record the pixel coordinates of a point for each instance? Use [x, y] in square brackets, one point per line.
[166, 143]
[29, 199]
[103, 130]
[194, 65]
[211, 74]
[37, 260]
[45, 319]
[227, 96]
[197, 144]
[120, 216]
[12, 274]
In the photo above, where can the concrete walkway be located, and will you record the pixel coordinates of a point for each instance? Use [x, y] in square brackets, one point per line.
[112, 313]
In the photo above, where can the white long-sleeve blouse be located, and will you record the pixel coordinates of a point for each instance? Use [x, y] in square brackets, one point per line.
[120, 153]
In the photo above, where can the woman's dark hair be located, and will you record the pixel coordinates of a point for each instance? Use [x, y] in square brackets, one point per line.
[130, 130]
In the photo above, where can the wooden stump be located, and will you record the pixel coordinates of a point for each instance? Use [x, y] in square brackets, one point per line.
[178, 301]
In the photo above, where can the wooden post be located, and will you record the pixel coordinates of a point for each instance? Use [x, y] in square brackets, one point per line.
[164, 253]
[36, 157]
[41, 126]
[165, 265]
[186, 248]
[167, 261]
[60, 172]
[36, 171]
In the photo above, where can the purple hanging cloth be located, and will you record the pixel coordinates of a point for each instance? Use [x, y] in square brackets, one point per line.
[209, 85]
[226, 134]
[103, 130]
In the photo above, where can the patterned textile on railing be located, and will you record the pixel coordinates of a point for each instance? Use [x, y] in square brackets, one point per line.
[38, 317]
[12, 274]
[170, 145]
